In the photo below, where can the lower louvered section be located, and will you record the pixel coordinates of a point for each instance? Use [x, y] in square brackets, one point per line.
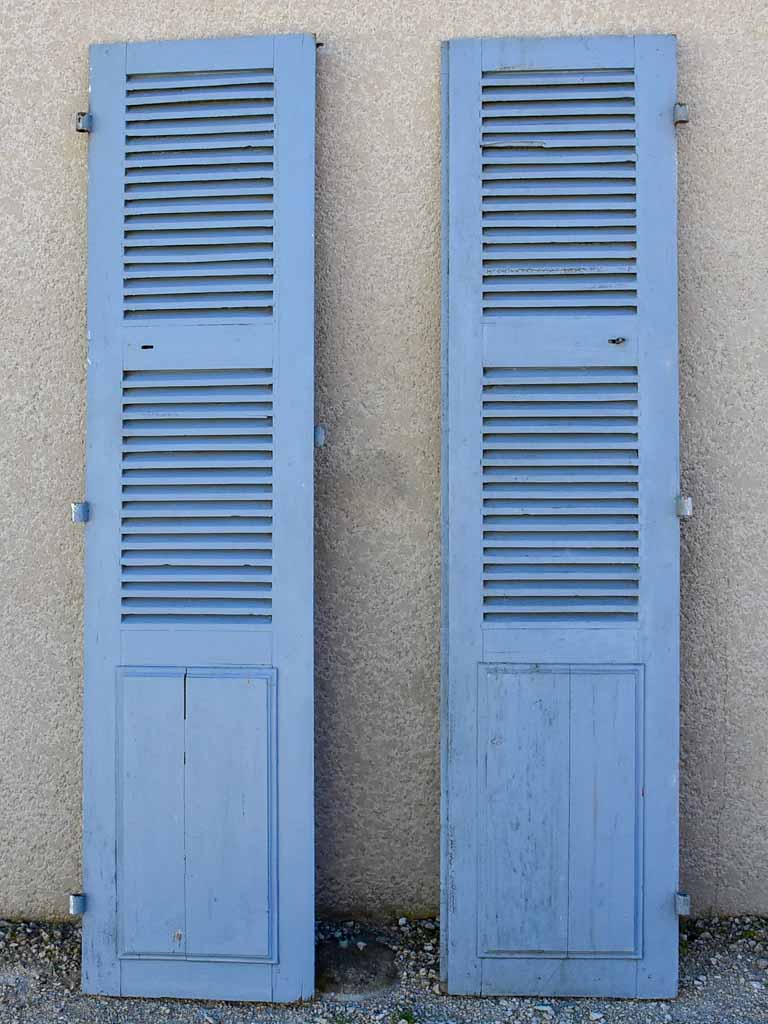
[196, 513]
[561, 529]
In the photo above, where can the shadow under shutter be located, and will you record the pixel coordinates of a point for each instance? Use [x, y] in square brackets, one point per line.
[198, 804]
[560, 477]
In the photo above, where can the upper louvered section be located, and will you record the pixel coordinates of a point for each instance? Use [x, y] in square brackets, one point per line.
[561, 522]
[559, 199]
[196, 513]
[199, 195]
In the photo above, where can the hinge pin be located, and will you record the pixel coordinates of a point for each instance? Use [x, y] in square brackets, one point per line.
[76, 903]
[682, 904]
[684, 507]
[81, 511]
[680, 113]
[83, 121]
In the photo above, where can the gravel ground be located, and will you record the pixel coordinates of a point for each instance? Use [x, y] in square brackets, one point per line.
[724, 980]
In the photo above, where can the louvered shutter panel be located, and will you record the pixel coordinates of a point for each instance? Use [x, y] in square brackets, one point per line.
[560, 477]
[198, 802]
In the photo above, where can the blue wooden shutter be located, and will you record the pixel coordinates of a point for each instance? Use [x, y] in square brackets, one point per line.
[560, 474]
[198, 803]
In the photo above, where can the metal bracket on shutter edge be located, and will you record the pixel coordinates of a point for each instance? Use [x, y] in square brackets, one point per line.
[684, 507]
[76, 903]
[83, 121]
[682, 904]
[320, 436]
[680, 113]
[81, 511]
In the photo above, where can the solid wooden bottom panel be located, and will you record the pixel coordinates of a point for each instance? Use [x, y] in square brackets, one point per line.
[560, 798]
[197, 864]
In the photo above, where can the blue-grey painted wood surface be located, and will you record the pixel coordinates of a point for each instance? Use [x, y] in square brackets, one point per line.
[151, 812]
[229, 808]
[198, 702]
[560, 538]
[523, 744]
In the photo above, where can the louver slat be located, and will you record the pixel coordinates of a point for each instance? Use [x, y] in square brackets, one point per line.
[559, 193]
[196, 513]
[560, 496]
[199, 196]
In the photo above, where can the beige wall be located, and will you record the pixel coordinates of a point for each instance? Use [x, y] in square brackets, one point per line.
[378, 392]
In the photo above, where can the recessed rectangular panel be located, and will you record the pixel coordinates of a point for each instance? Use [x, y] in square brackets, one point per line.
[523, 801]
[230, 733]
[605, 849]
[151, 811]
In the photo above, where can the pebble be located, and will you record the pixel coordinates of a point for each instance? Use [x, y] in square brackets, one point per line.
[596, 1015]
[403, 922]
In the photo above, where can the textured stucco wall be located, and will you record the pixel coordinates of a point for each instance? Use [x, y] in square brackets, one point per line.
[378, 392]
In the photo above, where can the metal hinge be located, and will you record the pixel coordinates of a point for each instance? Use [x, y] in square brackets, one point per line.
[682, 904]
[684, 507]
[680, 113]
[81, 511]
[76, 903]
[83, 121]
